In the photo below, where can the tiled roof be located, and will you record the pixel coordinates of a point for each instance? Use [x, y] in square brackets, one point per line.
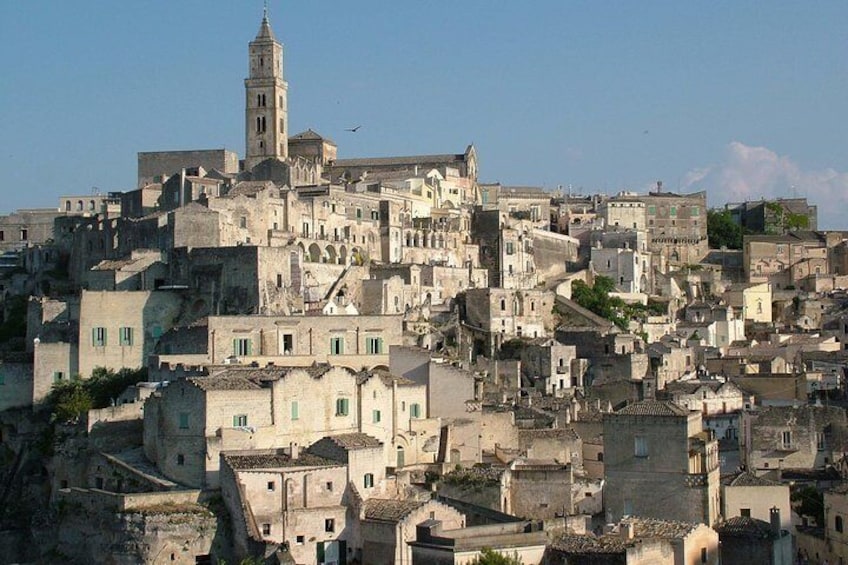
[745, 526]
[663, 529]
[390, 510]
[690, 387]
[310, 135]
[228, 381]
[248, 188]
[275, 460]
[555, 433]
[407, 160]
[355, 441]
[748, 479]
[579, 545]
[653, 408]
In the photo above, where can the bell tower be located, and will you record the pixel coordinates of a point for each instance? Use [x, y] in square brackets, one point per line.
[266, 100]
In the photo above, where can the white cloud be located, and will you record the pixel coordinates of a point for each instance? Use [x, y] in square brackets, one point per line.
[752, 173]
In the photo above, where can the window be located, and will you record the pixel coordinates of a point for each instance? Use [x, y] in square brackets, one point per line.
[745, 512]
[510, 249]
[98, 337]
[241, 346]
[330, 486]
[374, 345]
[369, 480]
[180, 459]
[337, 346]
[703, 555]
[240, 421]
[295, 409]
[359, 213]
[503, 304]
[819, 440]
[640, 446]
[242, 222]
[695, 211]
[266, 529]
[183, 420]
[125, 336]
[299, 540]
[288, 344]
[838, 524]
[672, 211]
[2, 235]
[329, 525]
[24, 234]
[415, 410]
[272, 486]
[342, 407]
[375, 416]
[279, 280]
[786, 439]
[57, 377]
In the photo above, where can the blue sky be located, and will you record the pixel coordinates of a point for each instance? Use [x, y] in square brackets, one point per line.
[743, 99]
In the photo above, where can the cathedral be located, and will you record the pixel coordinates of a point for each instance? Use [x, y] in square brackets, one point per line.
[303, 159]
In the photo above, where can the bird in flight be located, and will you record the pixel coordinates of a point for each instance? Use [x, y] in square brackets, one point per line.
[353, 129]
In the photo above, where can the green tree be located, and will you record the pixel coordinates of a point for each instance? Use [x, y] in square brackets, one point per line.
[106, 384]
[598, 300]
[492, 557]
[809, 502]
[722, 231]
[70, 401]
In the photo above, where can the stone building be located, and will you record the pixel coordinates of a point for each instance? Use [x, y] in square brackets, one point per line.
[190, 421]
[27, 227]
[388, 526]
[552, 367]
[537, 489]
[786, 437]
[120, 329]
[677, 226]
[774, 216]
[749, 496]
[658, 462]
[707, 396]
[494, 315]
[625, 211]
[630, 269]
[744, 540]
[784, 260]
[297, 499]
[155, 167]
[436, 544]
[640, 541]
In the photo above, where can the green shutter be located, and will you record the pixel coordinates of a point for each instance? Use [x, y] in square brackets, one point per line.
[294, 410]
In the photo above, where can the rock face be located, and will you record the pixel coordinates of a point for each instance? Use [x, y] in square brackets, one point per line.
[166, 535]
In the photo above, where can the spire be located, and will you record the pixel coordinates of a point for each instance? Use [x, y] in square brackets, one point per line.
[265, 31]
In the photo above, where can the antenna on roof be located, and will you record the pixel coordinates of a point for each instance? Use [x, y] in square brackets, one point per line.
[265, 11]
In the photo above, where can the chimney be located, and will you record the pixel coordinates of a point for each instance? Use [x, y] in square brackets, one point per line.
[625, 530]
[774, 518]
[294, 450]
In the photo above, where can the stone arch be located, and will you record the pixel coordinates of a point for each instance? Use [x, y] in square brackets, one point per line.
[314, 253]
[330, 254]
[342, 255]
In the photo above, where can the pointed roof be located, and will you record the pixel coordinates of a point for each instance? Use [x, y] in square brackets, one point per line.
[654, 408]
[265, 31]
